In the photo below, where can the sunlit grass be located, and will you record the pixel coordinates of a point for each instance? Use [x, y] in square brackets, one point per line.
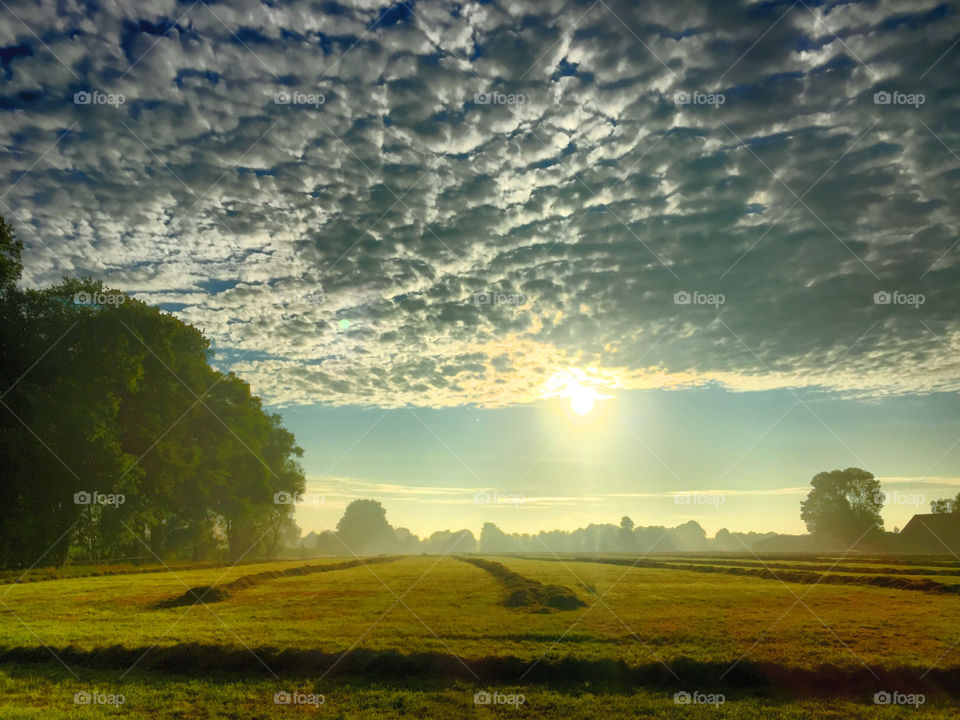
[639, 615]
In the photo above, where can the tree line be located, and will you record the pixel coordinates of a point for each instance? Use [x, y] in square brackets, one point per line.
[364, 530]
[119, 440]
[842, 510]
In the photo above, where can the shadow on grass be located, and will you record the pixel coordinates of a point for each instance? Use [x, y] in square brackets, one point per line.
[372, 666]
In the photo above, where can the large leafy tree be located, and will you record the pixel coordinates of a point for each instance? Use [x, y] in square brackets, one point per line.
[62, 378]
[844, 504]
[120, 398]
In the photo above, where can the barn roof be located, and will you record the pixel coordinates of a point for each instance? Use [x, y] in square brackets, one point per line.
[936, 532]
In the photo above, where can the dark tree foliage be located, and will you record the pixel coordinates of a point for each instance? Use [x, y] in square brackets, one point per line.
[103, 394]
[946, 506]
[844, 504]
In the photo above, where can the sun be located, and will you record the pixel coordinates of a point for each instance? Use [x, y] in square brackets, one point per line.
[582, 400]
[577, 389]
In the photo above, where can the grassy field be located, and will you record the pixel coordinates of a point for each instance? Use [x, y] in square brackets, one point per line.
[419, 636]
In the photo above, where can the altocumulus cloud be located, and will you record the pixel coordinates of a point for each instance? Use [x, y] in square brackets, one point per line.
[669, 193]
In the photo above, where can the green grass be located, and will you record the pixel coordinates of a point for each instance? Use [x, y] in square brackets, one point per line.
[698, 623]
[46, 694]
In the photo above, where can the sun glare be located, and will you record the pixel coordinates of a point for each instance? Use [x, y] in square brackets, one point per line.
[582, 400]
[577, 391]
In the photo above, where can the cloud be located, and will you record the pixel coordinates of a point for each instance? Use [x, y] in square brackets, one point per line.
[572, 155]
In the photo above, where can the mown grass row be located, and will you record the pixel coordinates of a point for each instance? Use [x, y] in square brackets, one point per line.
[795, 576]
[813, 567]
[69, 572]
[217, 593]
[526, 592]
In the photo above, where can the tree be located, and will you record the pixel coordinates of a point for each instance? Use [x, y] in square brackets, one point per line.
[843, 504]
[58, 425]
[625, 538]
[107, 395]
[364, 529]
[10, 265]
[446, 541]
[493, 539]
[946, 506]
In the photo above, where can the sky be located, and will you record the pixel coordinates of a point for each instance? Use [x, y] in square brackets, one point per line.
[538, 263]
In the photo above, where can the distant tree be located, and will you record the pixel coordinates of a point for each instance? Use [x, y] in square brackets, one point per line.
[364, 529]
[843, 504]
[406, 542]
[945, 506]
[326, 543]
[625, 538]
[493, 539]
[446, 541]
[689, 537]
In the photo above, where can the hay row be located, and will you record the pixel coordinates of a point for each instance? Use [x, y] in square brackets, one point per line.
[526, 592]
